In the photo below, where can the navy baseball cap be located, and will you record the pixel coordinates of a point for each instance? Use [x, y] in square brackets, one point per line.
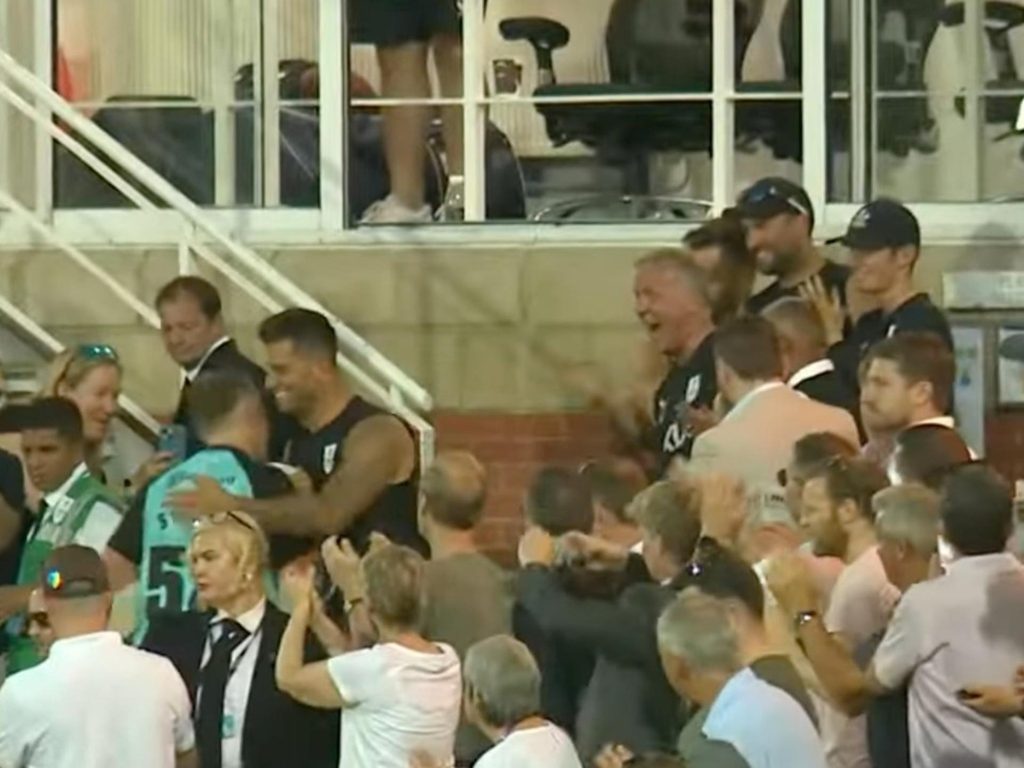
[771, 197]
[882, 223]
[1012, 347]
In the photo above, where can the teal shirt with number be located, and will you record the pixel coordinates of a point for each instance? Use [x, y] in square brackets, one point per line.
[165, 582]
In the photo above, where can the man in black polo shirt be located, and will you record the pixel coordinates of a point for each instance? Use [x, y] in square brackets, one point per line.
[361, 459]
[672, 301]
[779, 220]
[884, 239]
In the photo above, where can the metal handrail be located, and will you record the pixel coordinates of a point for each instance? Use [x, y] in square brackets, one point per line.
[43, 338]
[397, 379]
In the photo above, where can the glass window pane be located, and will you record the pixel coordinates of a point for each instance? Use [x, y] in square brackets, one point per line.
[937, 123]
[176, 81]
[604, 106]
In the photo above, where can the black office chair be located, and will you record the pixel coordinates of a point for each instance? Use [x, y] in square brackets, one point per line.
[173, 135]
[654, 47]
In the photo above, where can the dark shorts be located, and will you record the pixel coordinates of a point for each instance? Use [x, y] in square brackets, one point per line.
[389, 23]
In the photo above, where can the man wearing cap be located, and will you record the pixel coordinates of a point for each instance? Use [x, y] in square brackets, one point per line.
[95, 702]
[884, 239]
[779, 220]
[75, 508]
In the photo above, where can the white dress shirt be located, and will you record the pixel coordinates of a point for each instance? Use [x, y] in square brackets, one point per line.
[196, 369]
[239, 685]
[95, 703]
[964, 627]
[810, 371]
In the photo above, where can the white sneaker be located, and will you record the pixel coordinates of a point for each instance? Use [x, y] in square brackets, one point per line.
[391, 210]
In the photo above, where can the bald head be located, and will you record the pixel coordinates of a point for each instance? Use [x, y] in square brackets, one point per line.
[799, 328]
[454, 490]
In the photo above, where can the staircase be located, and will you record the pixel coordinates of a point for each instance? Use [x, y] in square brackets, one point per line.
[202, 240]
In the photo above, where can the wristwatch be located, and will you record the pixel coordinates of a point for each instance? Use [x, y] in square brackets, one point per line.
[803, 618]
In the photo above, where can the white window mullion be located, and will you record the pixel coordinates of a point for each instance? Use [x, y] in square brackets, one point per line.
[473, 110]
[723, 106]
[815, 144]
[334, 66]
[43, 58]
[271, 114]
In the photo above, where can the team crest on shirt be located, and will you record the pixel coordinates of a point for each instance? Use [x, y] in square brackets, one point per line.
[692, 388]
[329, 457]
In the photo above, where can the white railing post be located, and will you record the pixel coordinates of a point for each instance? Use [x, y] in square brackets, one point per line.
[815, 104]
[271, 114]
[43, 58]
[333, 125]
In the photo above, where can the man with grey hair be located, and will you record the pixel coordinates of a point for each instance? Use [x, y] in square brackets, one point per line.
[468, 596]
[804, 347]
[672, 301]
[502, 698]
[700, 653]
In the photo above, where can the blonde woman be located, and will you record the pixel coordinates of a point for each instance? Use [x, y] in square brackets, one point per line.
[225, 652]
[90, 376]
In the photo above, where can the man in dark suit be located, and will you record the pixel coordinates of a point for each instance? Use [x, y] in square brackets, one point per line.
[193, 330]
[806, 365]
[226, 656]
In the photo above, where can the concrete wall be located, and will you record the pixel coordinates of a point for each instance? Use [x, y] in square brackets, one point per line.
[496, 334]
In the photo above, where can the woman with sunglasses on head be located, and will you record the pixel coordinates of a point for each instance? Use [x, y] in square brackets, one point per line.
[90, 376]
[225, 652]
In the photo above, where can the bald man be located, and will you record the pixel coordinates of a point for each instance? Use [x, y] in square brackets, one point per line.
[806, 365]
[469, 598]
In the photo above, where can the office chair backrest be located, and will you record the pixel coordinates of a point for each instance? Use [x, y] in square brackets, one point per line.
[664, 45]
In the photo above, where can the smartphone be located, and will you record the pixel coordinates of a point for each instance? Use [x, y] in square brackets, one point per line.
[173, 440]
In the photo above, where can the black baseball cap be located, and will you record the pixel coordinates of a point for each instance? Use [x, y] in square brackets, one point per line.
[882, 223]
[1012, 347]
[74, 571]
[773, 196]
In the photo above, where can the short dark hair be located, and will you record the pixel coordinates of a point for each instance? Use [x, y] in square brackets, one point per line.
[819, 448]
[856, 480]
[738, 265]
[612, 486]
[718, 572]
[214, 395]
[56, 413]
[920, 357]
[202, 291]
[750, 347]
[977, 510]
[927, 452]
[558, 501]
[309, 331]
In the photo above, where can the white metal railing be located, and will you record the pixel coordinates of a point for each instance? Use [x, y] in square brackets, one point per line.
[377, 375]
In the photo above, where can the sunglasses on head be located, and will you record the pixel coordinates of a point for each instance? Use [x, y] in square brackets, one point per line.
[223, 517]
[96, 352]
[772, 192]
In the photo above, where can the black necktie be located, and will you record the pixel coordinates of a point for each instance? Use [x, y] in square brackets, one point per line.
[214, 679]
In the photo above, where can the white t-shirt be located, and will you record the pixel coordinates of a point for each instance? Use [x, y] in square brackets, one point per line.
[397, 702]
[862, 603]
[544, 747]
[95, 703]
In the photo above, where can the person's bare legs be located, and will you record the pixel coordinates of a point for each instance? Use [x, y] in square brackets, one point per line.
[448, 58]
[404, 76]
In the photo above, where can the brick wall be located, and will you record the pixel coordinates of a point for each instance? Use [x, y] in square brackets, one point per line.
[1004, 443]
[513, 447]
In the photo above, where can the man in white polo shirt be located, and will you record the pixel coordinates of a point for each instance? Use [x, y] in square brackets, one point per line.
[94, 702]
[947, 636]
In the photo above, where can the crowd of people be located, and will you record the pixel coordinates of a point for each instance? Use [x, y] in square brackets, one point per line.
[792, 558]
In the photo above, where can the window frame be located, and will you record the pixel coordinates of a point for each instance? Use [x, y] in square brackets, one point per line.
[328, 224]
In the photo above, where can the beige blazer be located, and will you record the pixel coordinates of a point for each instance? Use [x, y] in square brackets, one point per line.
[755, 440]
